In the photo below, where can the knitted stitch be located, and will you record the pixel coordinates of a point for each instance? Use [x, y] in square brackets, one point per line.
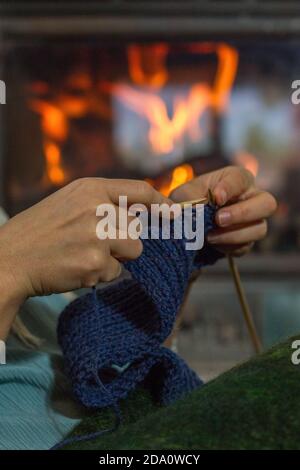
[112, 338]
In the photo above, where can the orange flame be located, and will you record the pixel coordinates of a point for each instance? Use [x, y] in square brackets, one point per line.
[55, 128]
[165, 132]
[180, 175]
[53, 159]
[54, 123]
[147, 68]
[147, 64]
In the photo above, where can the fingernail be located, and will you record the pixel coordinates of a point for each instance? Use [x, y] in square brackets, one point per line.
[224, 218]
[223, 196]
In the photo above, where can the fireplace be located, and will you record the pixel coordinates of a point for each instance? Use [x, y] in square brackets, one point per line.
[164, 111]
[136, 110]
[161, 91]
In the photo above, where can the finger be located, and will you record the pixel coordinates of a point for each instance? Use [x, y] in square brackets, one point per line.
[192, 190]
[127, 249]
[109, 269]
[113, 217]
[235, 250]
[112, 270]
[137, 192]
[233, 182]
[260, 206]
[238, 234]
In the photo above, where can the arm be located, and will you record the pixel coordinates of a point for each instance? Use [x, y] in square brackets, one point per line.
[53, 247]
[9, 304]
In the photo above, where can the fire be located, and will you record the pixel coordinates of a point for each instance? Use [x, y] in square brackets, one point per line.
[180, 175]
[55, 130]
[53, 160]
[54, 123]
[147, 64]
[165, 133]
[147, 67]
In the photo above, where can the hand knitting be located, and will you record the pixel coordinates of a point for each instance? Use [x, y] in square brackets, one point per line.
[112, 339]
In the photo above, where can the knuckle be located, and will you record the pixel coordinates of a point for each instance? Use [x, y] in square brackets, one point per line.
[272, 203]
[109, 274]
[90, 281]
[236, 170]
[248, 175]
[79, 182]
[242, 172]
[81, 185]
[239, 212]
[144, 189]
[263, 229]
[95, 260]
[89, 185]
[74, 185]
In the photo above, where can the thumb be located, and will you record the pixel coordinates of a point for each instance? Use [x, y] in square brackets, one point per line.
[233, 183]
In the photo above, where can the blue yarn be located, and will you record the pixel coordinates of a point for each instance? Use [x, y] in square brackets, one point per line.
[112, 339]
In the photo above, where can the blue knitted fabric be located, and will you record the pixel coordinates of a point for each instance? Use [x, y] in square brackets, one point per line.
[112, 339]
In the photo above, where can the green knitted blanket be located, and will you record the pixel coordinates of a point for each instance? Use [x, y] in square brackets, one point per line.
[253, 406]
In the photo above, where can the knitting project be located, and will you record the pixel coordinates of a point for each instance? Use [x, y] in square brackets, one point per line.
[112, 338]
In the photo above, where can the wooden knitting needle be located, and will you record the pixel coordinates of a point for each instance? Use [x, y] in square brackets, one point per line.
[244, 304]
[236, 278]
[193, 202]
[248, 317]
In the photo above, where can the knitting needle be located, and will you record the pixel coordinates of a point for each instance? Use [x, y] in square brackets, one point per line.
[244, 304]
[236, 278]
[193, 202]
[241, 295]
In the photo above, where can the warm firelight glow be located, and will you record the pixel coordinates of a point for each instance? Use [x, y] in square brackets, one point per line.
[147, 67]
[55, 129]
[180, 175]
[165, 132]
[54, 123]
[53, 161]
[248, 161]
[147, 64]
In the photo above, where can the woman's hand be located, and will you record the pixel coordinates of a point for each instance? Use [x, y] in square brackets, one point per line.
[53, 247]
[244, 208]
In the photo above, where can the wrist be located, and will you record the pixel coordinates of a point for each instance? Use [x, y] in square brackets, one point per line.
[12, 279]
[10, 302]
